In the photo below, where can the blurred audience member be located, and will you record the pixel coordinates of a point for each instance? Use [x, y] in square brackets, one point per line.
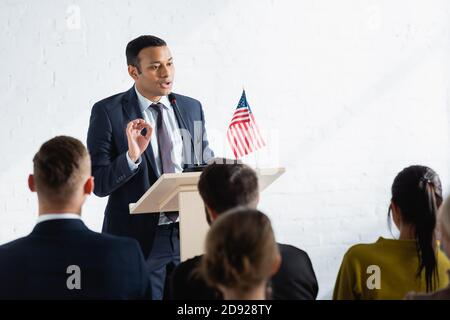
[241, 255]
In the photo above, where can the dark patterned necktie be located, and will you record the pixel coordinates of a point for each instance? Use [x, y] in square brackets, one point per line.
[165, 146]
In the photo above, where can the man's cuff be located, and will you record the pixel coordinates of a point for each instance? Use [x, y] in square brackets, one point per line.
[131, 164]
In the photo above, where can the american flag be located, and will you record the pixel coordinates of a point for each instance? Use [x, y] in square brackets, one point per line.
[243, 133]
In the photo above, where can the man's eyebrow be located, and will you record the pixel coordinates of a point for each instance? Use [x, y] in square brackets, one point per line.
[155, 62]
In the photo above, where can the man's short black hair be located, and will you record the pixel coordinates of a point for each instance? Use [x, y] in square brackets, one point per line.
[136, 45]
[224, 185]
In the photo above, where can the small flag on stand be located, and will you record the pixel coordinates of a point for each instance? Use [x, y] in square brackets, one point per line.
[243, 133]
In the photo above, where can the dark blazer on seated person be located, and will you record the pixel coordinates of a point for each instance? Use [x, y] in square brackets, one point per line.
[38, 265]
[295, 280]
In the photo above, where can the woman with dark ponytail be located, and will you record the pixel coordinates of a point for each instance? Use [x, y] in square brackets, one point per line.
[388, 269]
[444, 223]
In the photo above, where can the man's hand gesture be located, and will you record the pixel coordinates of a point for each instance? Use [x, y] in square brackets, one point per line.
[137, 143]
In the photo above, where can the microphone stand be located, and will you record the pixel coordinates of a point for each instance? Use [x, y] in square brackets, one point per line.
[196, 167]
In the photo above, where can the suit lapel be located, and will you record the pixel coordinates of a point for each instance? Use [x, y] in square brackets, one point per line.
[132, 111]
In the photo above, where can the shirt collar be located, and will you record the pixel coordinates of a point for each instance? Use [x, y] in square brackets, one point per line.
[144, 103]
[57, 216]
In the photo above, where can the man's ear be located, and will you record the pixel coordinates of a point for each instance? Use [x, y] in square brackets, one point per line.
[212, 213]
[133, 72]
[254, 203]
[396, 215]
[31, 183]
[89, 185]
[276, 264]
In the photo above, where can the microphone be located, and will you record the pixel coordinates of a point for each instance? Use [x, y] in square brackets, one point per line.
[197, 166]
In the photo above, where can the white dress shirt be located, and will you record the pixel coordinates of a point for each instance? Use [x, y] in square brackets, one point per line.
[170, 120]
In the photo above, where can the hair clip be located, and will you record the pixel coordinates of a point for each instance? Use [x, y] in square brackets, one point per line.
[424, 181]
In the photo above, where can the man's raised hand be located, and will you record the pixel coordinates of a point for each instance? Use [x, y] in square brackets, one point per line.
[137, 143]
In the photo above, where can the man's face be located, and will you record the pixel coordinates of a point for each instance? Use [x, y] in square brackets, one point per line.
[157, 72]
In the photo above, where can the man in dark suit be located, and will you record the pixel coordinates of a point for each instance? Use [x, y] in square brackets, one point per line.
[224, 185]
[136, 136]
[62, 258]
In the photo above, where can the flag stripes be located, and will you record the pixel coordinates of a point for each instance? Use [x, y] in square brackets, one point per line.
[243, 133]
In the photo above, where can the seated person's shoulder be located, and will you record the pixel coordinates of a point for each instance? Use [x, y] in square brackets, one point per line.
[362, 249]
[290, 249]
[13, 251]
[292, 253]
[108, 241]
[13, 244]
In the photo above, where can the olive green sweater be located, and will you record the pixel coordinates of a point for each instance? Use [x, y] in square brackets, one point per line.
[385, 269]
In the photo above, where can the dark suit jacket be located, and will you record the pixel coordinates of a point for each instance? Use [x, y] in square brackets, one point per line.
[295, 280]
[107, 144]
[36, 266]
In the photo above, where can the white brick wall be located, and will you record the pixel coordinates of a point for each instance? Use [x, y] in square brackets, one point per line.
[346, 92]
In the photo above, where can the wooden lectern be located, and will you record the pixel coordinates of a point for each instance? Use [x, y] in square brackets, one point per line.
[178, 192]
